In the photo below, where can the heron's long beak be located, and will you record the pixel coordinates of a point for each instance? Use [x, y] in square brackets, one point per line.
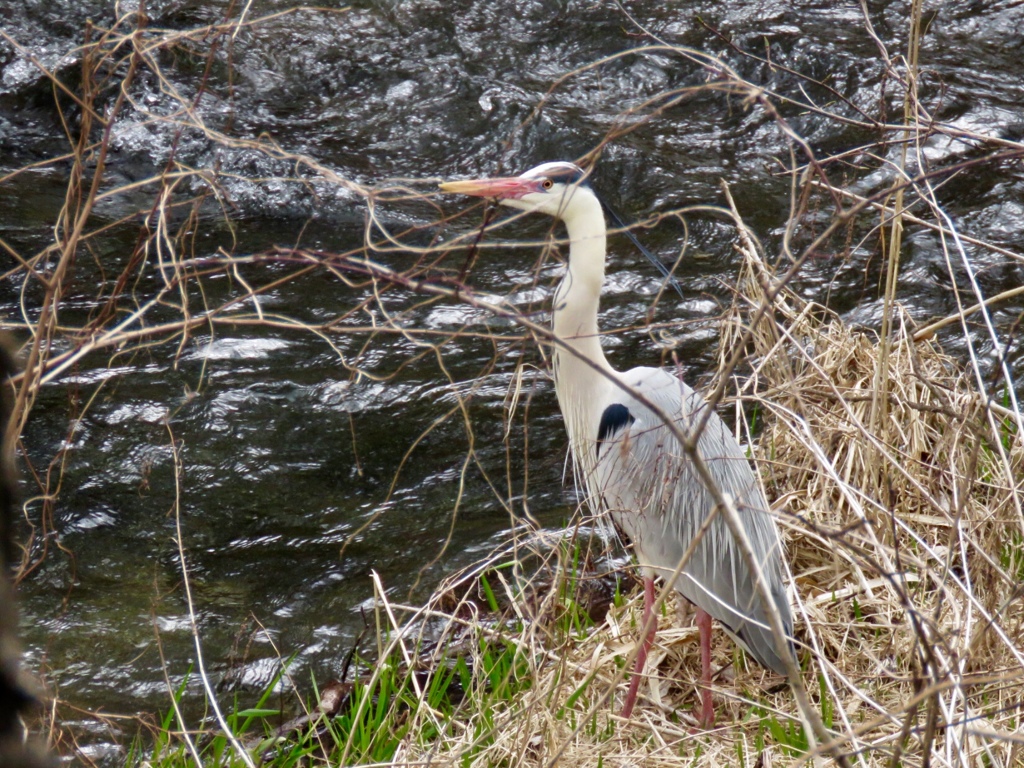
[502, 189]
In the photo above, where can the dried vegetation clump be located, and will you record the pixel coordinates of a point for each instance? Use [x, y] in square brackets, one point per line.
[899, 487]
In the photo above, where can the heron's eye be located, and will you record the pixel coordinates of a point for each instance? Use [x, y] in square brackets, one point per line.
[547, 183]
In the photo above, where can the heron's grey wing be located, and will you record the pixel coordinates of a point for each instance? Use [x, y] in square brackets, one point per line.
[653, 492]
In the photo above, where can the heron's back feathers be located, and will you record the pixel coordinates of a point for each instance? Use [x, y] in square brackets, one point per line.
[641, 475]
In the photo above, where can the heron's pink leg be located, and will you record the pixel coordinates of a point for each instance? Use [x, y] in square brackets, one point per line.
[649, 619]
[707, 707]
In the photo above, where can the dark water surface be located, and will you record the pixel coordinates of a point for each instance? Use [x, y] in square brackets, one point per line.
[284, 452]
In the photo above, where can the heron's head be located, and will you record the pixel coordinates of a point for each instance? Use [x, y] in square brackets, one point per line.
[559, 190]
[550, 188]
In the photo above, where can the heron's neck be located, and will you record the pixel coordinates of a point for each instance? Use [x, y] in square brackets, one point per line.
[579, 380]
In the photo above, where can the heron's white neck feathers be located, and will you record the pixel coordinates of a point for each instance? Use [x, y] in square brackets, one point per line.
[579, 382]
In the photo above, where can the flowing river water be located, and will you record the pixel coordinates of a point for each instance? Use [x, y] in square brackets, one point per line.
[284, 452]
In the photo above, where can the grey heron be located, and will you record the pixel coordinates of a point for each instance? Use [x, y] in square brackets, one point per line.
[631, 465]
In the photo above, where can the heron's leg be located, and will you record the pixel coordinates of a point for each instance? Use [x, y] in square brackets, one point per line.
[707, 707]
[649, 620]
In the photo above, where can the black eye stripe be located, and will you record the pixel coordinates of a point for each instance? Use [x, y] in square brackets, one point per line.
[569, 174]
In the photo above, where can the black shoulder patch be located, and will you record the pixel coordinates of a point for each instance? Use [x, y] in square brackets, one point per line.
[615, 417]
